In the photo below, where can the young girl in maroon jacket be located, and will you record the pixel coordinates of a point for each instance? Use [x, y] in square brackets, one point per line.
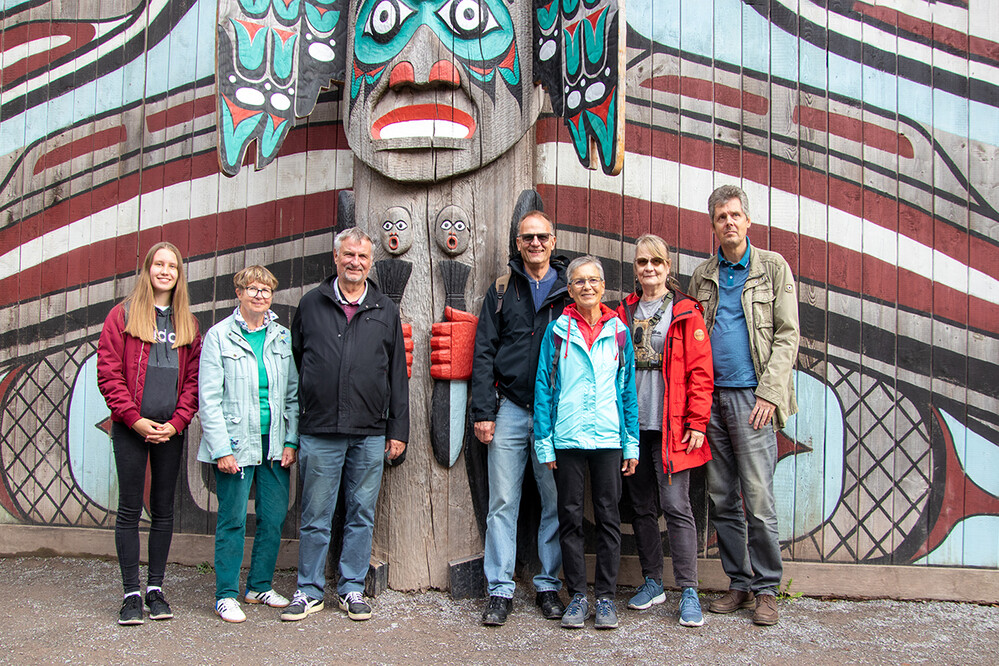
[147, 371]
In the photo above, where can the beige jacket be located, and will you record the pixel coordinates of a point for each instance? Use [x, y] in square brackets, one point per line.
[770, 302]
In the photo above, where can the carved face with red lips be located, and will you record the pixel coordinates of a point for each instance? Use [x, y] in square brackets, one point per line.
[439, 87]
[452, 231]
[397, 230]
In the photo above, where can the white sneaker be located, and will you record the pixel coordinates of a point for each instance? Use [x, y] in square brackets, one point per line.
[270, 597]
[228, 609]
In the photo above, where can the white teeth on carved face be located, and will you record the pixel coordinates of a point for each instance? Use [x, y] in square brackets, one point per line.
[425, 127]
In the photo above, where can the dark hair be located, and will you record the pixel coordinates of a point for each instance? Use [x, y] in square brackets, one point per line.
[724, 194]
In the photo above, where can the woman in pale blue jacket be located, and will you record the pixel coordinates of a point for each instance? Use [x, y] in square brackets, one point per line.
[249, 421]
[586, 415]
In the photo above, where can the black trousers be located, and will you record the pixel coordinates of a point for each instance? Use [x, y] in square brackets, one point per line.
[130, 455]
[605, 491]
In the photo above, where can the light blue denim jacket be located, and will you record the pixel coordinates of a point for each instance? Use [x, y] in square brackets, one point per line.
[229, 392]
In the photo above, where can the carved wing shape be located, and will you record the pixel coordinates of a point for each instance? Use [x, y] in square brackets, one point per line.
[272, 59]
[579, 59]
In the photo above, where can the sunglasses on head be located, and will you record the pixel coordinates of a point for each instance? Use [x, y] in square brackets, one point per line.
[643, 261]
[529, 238]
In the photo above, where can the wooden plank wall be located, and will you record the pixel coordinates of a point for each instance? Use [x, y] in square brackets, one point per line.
[864, 134]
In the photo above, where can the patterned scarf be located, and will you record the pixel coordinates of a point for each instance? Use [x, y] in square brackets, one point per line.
[269, 316]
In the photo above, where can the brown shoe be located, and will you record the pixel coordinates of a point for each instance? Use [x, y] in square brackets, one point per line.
[732, 601]
[766, 610]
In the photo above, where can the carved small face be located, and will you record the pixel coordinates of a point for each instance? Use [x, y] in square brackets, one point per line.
[396, 230]
[453, 230]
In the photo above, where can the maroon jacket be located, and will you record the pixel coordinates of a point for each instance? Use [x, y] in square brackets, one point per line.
[689, 375]
[121, 373]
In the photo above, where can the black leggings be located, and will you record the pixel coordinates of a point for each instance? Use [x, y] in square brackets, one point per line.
[130, 454]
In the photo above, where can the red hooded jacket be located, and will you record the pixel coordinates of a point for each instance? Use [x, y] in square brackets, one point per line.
[121, 373]
[689, 376]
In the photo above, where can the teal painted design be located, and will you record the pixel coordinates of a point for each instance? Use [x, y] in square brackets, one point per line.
[283, 55]
[235, 138]
[321, 22]
[254, 6]
[604, 128]
[250, 51]
[593, 37]
[546, 16]
[512, 75]
[289, 12]
[272, 137]
[369, 79]
[572, 44]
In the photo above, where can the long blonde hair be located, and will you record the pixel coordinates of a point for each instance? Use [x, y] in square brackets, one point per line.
[141, 318]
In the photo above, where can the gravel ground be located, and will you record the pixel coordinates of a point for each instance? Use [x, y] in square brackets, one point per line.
[64, 610]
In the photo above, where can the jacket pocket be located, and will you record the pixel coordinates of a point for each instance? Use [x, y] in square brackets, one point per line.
[762, 300]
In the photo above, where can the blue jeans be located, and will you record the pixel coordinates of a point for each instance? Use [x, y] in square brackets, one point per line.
[740, 473]
[322, 460]
[512, 445]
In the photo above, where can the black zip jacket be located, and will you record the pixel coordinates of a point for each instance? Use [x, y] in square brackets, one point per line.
[351, 377]
[507, 344]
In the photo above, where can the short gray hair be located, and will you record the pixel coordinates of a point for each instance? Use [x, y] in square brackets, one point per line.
[723, 195]
[355, 234]
[579, 262]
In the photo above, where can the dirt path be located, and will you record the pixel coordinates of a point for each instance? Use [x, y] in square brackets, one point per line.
[61, 610]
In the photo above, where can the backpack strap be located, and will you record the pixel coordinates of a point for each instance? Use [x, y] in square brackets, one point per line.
[502, 282]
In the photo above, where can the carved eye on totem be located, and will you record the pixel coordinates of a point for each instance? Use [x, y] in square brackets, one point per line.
[396, 232]
[453, 230]
[468, 19]
[386, 20]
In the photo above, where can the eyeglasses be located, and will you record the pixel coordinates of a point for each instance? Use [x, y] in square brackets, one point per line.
[582, 282]
[262, 292]
[644, 261]
[529, 238]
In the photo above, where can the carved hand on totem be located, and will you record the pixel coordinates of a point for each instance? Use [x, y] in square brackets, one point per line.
[452, 342]
[407, 336]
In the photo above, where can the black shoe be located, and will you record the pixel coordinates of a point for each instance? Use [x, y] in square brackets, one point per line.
[551, 605]
[159, 609]
[495, 614]
[131, 610]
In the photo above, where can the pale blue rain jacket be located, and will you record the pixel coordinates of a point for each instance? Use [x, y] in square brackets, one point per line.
[593, 403]
[230, 401]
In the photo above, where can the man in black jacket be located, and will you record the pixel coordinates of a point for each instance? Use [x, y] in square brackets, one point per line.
[514, 316]
[353, 412]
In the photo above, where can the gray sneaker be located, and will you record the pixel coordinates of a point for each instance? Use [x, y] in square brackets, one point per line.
[301, 606]
[648, 595]
[606, 614]
[355, 605]
[576, 612]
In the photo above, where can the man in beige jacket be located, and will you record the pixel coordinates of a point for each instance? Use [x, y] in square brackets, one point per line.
[751, 311]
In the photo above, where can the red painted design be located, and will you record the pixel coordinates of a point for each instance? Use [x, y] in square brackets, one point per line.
[962, 496]
[239, 114]
[689, 86]
[250, 27]
[936, 33]
[401, 74]
[85, 146]
[788, 447]
[570, 29]
[452, 342]
[424, 112]
[79, 35]
[445, 72]
[284, 35]
[275, 121]
[595, 17]
[853, 129]
[104, 426]
[510, 59]
[181, 113]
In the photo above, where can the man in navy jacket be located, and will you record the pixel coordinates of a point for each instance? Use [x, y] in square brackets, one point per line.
[507, 344]
[354, 411]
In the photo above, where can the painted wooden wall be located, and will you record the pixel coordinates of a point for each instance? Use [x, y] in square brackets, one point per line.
[866, 134]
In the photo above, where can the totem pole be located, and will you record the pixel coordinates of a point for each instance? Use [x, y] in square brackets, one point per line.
[438, 100]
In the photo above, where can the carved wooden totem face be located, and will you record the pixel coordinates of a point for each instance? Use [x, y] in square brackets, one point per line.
[453, 230]
[396, 230]
[438, 87]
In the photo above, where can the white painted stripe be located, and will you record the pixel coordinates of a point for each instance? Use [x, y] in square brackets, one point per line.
[208, 195]
[87, 58]
[28, 49]
[807, 217]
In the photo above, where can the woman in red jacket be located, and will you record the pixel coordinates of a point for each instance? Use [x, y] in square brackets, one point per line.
[147, 371]
[674, 379]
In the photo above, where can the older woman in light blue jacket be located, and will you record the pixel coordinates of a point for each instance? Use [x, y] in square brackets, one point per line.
[249, 420]
[586, 415]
